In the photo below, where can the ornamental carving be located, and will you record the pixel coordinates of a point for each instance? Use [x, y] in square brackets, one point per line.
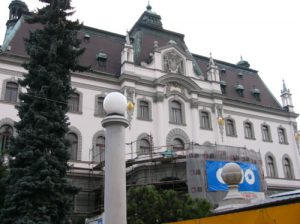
[173, 63]
[174, 87]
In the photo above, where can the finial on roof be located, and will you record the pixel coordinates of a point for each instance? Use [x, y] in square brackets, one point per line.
[211, 60]
[284, 88]
[149, 7]
[243, 63]
[127, 37]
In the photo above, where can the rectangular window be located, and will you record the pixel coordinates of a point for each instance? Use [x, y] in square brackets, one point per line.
[100, 109]
[73, 103]
[266, 133]
[11, 92]
[248, 131]
[282, 136]
[204, 123]
[176, 113]
[144, 110]
[230, 128]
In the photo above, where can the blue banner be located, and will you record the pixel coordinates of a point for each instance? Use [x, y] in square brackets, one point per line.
[249, 182]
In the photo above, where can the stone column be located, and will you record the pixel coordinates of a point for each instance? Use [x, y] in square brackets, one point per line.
[115, 168]
[194, 121]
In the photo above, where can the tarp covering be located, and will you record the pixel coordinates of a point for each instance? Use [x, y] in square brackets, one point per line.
[249, 182]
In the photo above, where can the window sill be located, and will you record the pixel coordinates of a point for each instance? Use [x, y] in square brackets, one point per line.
[144, 119]
[283, 143]
[181, 124]
[234, 136]
[268, 141]
[8, 102]
[99, 115]
[75, 112]
[250, 138]
[207, 129]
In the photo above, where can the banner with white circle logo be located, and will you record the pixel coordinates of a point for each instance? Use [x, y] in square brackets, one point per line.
[215, 182]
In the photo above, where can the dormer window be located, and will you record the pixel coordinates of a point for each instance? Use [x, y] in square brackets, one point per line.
[256, 94]
[223, 71]
[101, 58]
[240, 90]
[86, 37]
[240, 75]
[223, 85]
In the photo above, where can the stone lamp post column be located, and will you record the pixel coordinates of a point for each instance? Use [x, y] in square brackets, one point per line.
[115, 105]
[232, 175]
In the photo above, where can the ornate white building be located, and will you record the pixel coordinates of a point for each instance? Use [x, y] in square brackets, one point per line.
[181, 101]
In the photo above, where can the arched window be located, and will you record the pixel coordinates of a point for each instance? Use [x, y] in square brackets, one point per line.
[73, 145]
[73, 102]
[177, 145]
[6, 132]
[230, 127]
[176, 112]
[99, 154]
[205, 120]
[11, 92]
[287, 168]
[271, 168]
[145, 147]
[249, 132]
[266, 134]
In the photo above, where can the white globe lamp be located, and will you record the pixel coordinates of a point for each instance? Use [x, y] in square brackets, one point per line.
[115, 103]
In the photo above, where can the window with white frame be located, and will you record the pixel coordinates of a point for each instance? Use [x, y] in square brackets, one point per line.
[205, 120]
[266, 133]
[144, 110]
[73, 102]
[271, 167]
[177, 145]
[287, 168]
[145, 147]
[249, 131]
[73, 145]
[6, 133]
[99, 154]
[230, 127]
[99, 107]
[176, 112]
[282, 135]
[11, 92]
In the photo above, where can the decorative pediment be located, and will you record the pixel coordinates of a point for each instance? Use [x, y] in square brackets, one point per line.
[173, 62]
[177, 83]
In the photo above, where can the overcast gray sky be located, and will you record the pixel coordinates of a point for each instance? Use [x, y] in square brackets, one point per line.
[265, 32]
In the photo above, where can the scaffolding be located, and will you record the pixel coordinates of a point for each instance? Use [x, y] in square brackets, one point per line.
[163, 166]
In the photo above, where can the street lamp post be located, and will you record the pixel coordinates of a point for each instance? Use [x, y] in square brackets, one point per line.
[115, 170]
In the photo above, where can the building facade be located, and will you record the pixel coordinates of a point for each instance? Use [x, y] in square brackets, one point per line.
[181, 101]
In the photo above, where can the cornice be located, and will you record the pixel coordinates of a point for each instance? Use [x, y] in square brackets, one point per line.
[258, 108]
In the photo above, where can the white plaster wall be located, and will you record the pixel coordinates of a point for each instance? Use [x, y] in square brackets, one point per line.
[159, 127]
[277, 149]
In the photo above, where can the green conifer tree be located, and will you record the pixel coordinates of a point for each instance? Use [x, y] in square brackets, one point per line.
[37, 189]
[147, 205]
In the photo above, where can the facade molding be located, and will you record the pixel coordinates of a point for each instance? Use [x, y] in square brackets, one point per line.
[258, 108]
[242, 114]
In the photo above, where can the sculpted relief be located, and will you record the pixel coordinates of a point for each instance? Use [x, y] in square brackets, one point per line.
[173, 63]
